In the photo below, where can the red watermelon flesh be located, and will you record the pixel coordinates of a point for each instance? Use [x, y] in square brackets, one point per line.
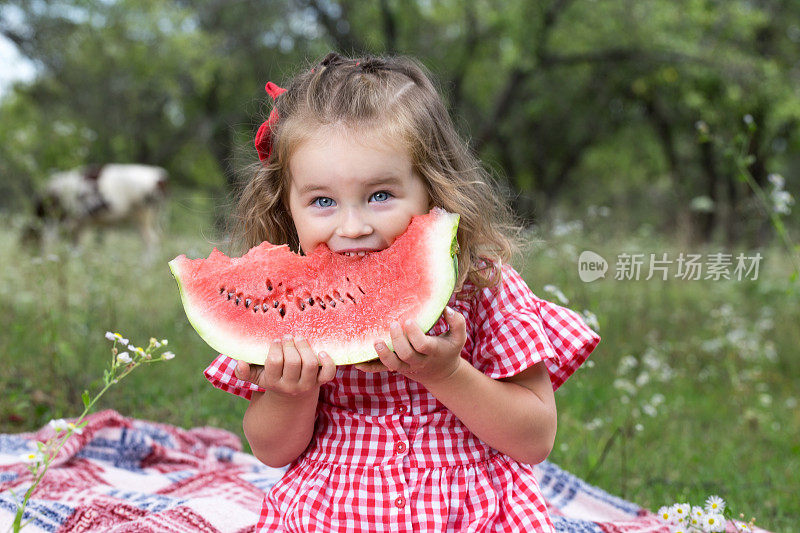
[341, 304]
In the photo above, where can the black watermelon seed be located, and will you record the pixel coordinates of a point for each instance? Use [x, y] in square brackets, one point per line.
[311, 301]
[238, 299]
[230, 295]
[282, 311]
[275, 303]
[264, 306]
[247, 303]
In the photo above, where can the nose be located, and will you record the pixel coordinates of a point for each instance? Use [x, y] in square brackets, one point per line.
[353, 224]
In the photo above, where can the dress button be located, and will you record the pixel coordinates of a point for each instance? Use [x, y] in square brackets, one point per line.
[400, 447]
[400, 501]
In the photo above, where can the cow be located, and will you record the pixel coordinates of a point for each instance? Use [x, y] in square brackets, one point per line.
[93, 196]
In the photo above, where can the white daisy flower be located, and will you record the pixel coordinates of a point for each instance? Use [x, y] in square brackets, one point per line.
[75, 429]
[110, 336]
[168, 355]
[124, 358]
[680, 511]
[713, 522]
[33, 457]
[715, 504]
[164, 342]
[742, 527]
[678, 529]
[58, 425]
[698, 512]
[664, 514]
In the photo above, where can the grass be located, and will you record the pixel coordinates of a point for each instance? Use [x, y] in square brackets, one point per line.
[693, 390]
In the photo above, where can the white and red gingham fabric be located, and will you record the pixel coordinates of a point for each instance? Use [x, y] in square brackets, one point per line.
[387, 456]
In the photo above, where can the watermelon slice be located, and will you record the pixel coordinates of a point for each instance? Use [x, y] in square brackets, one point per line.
[341, 304]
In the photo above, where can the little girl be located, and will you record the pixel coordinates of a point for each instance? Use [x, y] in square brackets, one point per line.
[439, 434]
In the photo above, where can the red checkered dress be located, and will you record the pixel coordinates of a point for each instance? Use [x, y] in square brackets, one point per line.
[387, 456]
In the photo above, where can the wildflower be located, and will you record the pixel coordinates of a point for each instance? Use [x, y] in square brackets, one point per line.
[664, 513]
[555, 291]
[139, 351]
[748, 119]
[742, 527]
[680, 511]
[649, 410]
[713, 522]
[168, 355]
[678, 529]
[715, 504]
[124, 358]
[782, 200]
[36, 457]
[777, 180]
[58, 425]
[110, 336]
[74, 428]
[164, 342]
[590, 319]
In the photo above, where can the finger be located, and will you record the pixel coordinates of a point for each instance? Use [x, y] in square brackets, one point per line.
[420, 342]
[388, 358]
[458, 326]
[328, 369]
[402, 348]
[292, 364]
[247, 372]
[309, 363]
[273, 365]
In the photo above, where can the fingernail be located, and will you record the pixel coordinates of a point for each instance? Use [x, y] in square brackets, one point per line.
[409, 323]
[380, 345]
[298, 338]
[448, 310]
[287, 337]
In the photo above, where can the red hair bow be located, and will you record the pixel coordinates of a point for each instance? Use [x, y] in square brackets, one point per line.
[264, 134]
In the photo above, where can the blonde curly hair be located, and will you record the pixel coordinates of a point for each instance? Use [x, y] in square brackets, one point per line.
[395, 97]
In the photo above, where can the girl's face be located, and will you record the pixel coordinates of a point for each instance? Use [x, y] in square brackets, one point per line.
[352, 192]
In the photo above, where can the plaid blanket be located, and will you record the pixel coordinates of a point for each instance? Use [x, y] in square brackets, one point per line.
[124, 475]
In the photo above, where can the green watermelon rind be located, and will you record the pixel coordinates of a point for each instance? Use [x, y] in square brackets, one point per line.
[443, 233]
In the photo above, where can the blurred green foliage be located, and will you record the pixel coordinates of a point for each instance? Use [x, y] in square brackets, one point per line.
[571, 102]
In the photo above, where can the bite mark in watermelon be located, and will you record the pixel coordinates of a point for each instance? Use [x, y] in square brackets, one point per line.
[343, 305]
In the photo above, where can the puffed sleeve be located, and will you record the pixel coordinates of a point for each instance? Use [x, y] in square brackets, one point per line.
[516, 330]
[220, 373]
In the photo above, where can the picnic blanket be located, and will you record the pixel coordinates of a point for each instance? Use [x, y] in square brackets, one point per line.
[129, 475]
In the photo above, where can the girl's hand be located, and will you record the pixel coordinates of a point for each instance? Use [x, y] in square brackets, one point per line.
[421, 357]
[291, 368]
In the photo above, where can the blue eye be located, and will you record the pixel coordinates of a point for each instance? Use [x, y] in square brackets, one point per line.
[381, 196]
[322, 201]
